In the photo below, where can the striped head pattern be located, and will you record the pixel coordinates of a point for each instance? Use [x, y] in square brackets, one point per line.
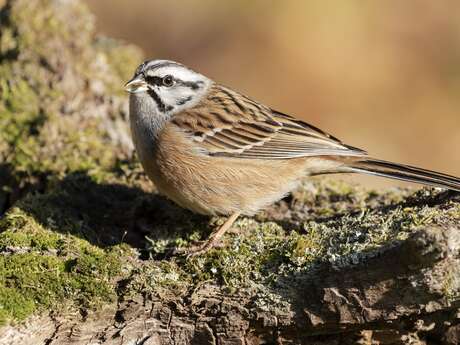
[170, 85]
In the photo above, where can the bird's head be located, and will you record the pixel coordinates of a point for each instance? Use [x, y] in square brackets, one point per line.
[171, 86]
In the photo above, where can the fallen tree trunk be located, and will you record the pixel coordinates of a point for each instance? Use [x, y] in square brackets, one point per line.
[393, 298]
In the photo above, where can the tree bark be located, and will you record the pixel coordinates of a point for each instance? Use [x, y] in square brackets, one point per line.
[397, 297]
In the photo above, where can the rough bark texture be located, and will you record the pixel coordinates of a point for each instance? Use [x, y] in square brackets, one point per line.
[84, 239]
[397, 297]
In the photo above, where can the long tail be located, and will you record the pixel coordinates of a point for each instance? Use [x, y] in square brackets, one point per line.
[403, 172]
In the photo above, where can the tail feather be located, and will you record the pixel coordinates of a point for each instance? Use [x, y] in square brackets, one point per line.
[403, 172]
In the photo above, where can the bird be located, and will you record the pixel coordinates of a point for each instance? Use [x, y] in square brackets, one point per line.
[215, 151]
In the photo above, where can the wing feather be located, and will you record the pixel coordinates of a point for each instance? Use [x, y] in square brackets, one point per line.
[232, 125]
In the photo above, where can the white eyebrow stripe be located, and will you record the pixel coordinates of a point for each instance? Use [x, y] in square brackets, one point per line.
[156, 64]
[178, 72]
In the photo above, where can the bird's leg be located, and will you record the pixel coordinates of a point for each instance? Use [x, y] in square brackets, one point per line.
[217, 234]
[214, 238]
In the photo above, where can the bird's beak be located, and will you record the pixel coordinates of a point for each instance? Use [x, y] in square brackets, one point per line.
[137, 84]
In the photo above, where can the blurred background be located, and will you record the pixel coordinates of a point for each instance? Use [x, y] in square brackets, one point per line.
[380, 75]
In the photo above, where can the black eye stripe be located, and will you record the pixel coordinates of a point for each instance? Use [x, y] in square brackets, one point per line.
[153, 80]
[167, 80]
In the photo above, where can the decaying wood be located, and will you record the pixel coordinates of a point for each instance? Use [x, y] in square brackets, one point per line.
[398, 294]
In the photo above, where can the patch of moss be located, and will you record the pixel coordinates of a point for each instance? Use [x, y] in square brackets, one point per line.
[328, 197]
[44, 281]
[14, 305]
[78, 274]
[60, 111]
[46, 261]
[262, 252]
[245, 258]
[302, 249]
[20, 231]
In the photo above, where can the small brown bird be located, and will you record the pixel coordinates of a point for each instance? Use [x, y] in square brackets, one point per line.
[215, 151]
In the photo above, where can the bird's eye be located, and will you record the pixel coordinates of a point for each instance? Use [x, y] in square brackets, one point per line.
[168, 80]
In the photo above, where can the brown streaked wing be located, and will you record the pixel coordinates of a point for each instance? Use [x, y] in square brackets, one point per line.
[232, 125]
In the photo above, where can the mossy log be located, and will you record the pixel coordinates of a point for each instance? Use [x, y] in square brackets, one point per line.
[85, 241]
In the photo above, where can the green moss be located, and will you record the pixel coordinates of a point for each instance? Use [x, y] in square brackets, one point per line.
[44, 281]
[305, 248]
[35, 281]
[14, 305]
[262, 252]
[42, 267]
[19, 230]
[29, 135]
[163, 278]
[52, 121]
[259, 254]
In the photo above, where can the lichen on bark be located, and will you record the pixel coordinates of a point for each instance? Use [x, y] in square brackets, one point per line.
[85, 240]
